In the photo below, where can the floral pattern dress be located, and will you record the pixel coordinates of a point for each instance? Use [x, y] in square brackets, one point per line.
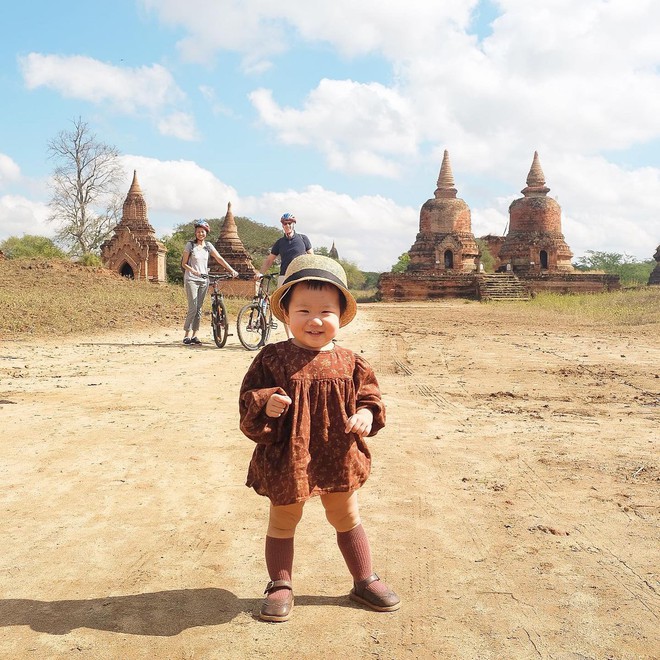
[306, 452]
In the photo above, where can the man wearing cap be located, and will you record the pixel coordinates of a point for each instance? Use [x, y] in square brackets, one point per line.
[290, 246]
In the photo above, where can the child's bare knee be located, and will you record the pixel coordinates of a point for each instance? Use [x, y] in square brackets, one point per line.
[343, 521]
[284, 520]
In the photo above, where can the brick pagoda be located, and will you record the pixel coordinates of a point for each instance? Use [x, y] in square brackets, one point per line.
[445, 241]
[133, 251]
[534, 242]
[443, 259]
[230, 246]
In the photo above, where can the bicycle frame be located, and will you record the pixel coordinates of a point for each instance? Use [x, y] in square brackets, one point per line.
[219, 320]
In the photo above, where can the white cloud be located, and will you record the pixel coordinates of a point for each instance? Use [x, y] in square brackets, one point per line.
[260, 30]
[360, 128]
[19, 216]
[147, 89]
[371, 231]
[9, 170]
[179, 125]
[539, 81]
[76, 76]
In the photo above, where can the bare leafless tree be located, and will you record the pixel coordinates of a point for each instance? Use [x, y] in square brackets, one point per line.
[86, 200]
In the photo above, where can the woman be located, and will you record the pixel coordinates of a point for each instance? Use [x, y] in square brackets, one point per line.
[195, 264]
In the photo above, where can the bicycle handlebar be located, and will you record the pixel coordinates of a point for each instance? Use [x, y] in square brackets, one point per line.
[215, 278]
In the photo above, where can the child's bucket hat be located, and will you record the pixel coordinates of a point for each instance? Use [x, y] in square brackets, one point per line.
[319, 268]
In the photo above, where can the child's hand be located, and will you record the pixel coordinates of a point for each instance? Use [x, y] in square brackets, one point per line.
[277, 405]
[360, 423]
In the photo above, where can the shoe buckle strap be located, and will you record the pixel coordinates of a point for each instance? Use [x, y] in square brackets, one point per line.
[278, 584]
[363, 584]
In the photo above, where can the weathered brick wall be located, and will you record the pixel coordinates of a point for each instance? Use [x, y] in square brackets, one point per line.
[405, 286]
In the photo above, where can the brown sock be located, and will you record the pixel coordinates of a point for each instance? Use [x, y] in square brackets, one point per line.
[355, 548]
[279, 563]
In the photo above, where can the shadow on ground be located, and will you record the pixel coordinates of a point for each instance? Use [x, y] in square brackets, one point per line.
[160, 614]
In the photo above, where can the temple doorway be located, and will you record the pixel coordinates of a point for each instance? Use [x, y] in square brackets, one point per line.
[449, 259]
[543, 257]
[127, 271]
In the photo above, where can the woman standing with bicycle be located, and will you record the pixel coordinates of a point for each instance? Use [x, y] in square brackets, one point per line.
[195, 264]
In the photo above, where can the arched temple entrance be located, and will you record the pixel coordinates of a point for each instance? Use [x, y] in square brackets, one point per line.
[543, 258]
[127, 271]
[449, 259]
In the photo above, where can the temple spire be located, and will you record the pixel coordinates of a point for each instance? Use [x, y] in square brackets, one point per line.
[445, 182]
[135, 186]
[535, 180]
[229, 230]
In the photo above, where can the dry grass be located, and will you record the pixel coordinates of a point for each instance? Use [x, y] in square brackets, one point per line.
[630, 307]
[59, 298]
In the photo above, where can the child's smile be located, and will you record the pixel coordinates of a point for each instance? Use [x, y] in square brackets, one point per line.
[313, 316]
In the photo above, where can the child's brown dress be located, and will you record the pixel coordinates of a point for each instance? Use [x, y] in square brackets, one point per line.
[306, 451]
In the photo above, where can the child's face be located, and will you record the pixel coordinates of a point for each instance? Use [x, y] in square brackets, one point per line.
[313, 316]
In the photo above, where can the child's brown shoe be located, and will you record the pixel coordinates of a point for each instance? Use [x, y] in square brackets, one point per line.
[277, 610]
[387, 601]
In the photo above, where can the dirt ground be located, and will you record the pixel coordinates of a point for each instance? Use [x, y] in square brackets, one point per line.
[513, 502]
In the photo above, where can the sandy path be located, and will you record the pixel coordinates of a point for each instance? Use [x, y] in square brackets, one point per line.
[513, 502]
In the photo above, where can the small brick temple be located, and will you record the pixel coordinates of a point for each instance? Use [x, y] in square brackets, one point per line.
[133, 251]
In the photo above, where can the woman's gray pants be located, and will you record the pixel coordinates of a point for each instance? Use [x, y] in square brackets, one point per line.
[195, 292]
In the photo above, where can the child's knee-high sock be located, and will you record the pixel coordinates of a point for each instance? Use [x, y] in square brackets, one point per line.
[355, 548]
[279, 563]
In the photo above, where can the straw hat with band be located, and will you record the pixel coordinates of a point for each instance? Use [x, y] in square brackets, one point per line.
[319, 268]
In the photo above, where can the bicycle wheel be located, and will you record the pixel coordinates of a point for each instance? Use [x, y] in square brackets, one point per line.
[219, 322]
[251, 326]
[269, 323]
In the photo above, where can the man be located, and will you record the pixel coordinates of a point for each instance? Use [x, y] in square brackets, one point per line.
[290, 246]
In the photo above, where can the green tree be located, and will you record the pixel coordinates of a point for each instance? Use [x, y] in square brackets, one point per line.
[402, 264]
[370, 279]
[630, 270]
[86, 201]
[354, 276]
[30, 246]
[487, 258]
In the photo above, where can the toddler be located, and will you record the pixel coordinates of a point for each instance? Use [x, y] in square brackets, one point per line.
[308, 404]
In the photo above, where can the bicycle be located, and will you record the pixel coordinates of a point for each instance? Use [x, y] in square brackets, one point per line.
[255, 320]
[219, 318]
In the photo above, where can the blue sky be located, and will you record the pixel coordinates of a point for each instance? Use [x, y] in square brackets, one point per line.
[339, 112]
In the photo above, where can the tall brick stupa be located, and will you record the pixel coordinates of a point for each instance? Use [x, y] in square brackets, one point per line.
[445, 241]
[230, 246]
[534, 242]
[133, 251]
